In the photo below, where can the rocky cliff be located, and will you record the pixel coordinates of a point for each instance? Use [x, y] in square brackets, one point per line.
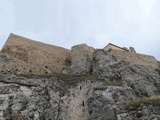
[46, 82]
[109, 90]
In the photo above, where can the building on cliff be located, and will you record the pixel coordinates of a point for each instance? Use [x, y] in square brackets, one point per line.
[130, 56]
[111, 46]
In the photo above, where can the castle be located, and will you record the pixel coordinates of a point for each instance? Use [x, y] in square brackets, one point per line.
[24, 56]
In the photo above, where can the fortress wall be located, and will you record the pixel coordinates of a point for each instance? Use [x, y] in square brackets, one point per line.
[81, 59]
[135, 58]
[38, 53]
[13, 65]
[81, 52]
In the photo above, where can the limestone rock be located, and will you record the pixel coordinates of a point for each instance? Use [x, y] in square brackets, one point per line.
[98, 85]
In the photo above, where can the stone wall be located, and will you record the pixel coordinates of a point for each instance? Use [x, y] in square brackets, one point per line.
[16, 66]
[81, 59]
[36, 53]
[135, 58]
[81, 52]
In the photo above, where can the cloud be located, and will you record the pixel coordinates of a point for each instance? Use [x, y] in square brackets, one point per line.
[7, 21]
[146, 6]
[66, 23]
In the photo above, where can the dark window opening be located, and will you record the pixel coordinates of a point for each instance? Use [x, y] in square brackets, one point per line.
[82, 102]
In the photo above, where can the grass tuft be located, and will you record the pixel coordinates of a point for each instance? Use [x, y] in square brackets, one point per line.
[134, 104]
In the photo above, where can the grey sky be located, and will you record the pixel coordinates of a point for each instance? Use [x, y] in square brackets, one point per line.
[95, 22]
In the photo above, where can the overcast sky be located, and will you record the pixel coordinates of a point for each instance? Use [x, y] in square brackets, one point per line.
[94, 22]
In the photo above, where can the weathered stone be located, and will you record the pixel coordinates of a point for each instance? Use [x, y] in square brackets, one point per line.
[81, 60]
[135, 58]
[97, 86]
[101, 108]
[58, 98]
[105, 65]
[132, 49]
[33, 53]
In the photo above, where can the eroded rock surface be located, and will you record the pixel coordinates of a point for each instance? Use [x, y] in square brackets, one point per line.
[113, 90]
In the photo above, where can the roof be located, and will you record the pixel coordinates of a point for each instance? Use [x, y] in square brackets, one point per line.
[115, 46]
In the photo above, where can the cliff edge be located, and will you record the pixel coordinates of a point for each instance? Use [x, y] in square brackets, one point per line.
[94, 86]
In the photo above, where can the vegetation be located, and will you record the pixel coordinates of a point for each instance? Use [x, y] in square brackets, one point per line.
[74, 79]
[134, 104]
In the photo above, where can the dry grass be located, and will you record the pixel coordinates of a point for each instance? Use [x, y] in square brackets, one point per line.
[134, 104]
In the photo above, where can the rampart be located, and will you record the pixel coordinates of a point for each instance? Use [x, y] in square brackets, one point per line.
[13, 65]
[135, 58]
[33, 53]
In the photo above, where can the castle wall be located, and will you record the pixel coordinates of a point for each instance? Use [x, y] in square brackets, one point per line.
[27, 68]
[81, 59]
[135, 58]
[37, 53]
[81, 52]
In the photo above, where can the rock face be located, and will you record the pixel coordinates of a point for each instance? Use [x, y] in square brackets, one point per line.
[113, 91]
[135, 58]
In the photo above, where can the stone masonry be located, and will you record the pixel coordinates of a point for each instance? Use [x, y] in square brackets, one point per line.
[81, 59]
[34, 53]
[135, 58]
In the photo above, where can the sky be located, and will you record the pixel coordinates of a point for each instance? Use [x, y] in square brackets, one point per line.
[67, 23]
